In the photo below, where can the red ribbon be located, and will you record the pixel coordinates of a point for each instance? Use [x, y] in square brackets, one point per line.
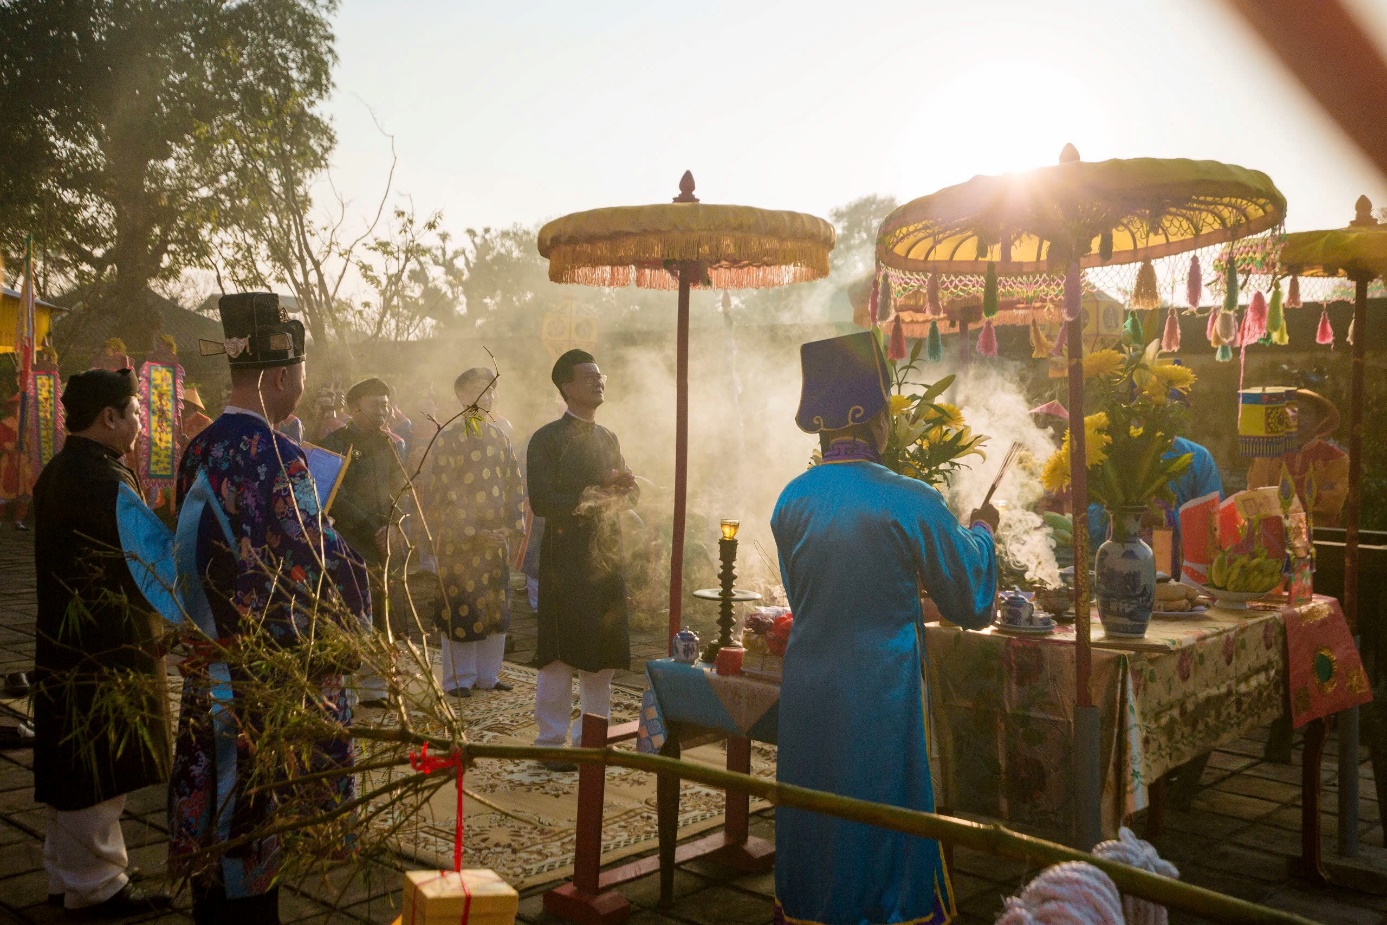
[425, 763]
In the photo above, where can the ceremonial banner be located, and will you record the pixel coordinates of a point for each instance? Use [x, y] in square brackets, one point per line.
[161, 395]
[1325, 670]
[47, 424]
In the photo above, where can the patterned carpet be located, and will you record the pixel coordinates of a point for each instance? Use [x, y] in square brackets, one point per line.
[520, 818]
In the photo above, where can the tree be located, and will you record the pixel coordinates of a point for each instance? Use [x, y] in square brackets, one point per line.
[121, 116]
[857, 223]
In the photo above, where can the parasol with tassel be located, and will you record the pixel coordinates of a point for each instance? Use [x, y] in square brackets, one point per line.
[684, 245]
[1065, 219]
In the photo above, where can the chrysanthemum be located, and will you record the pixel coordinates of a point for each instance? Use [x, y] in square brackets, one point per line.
[1174, 376]
[1103, 363]
[899, 403]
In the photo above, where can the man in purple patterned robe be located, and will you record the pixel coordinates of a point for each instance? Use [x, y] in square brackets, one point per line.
[289, 571]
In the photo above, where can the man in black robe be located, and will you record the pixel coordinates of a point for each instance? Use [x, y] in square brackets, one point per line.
[94, 628]
[364, 509]
[577, 482]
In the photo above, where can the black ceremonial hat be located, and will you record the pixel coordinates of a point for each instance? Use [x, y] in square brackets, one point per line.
[259, 332]
[845, 382]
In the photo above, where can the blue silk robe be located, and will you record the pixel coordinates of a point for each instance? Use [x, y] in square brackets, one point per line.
[855, 540]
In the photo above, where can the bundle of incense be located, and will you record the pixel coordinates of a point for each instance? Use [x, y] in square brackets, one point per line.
[1006, 462]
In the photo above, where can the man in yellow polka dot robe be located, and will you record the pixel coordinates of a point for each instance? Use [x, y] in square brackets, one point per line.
[473, 497]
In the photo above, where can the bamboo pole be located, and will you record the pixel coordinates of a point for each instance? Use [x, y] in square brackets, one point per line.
[994, 839]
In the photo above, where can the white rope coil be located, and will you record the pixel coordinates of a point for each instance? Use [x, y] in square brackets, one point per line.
[1130, 850]
[1072, 893]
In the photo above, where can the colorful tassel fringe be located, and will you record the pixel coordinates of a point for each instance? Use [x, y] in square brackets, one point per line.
[1293, 295]
[1255, 322]
[1194, 284]
[1170, 340]
[934, 346]
[897, 351]
[1225, 353]
[1061, 339]
[874, 300]
[987, 339]
[1281, 337]
[989, 292]
[1325, 335]
[884, 306]
[936, 307]
[1230, 285]
[1276, 318]
[1132, 334]
[1105, 246]
[1144, 294]
[1211, 329]
[1040, 347]
[1073, 292]
[1226, 328]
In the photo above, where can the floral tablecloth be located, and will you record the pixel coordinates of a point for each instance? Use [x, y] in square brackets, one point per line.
[1003, 707]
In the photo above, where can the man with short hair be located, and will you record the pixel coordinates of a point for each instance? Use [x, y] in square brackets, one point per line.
[93, 626]
[273, 566]
[577, 479]
[473, 497]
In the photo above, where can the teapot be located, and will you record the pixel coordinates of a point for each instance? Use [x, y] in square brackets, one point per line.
[1016, 608]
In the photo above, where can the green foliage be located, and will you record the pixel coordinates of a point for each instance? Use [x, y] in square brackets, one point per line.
[134, 128]
[928, 439]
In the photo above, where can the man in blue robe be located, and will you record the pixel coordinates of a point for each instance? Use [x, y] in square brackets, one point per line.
[857, 542]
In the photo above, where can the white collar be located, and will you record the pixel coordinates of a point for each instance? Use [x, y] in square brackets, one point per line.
[234, 409]
[575, 417]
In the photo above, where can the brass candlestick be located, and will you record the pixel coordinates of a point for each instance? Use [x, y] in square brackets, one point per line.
[727, 595]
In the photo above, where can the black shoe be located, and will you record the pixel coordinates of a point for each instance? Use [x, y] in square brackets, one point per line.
[130, 900]
[559, 767]
[16, 684]
[460, 692]
[501, 686]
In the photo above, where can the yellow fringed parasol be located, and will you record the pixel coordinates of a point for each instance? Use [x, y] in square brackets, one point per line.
[685, 244]
[1359, 253]
[1064, 218]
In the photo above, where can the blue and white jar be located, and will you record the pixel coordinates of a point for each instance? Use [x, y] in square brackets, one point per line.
[684, 646]
[1125, 576]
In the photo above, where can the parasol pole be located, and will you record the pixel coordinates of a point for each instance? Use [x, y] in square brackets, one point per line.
[1355, 453]
[681, 451]
[1088, 793]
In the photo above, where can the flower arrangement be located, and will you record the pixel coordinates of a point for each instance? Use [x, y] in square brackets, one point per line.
[929, 439]
[1130, 434]
[767, 631]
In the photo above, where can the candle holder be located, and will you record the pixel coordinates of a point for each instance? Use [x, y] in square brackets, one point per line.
[727, 595]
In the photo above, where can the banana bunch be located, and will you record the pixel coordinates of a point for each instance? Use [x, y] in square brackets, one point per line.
[1061, 527]
[1244, 573]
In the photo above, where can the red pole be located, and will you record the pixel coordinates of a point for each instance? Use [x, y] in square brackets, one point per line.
[1078, 501]
[681, 453]
[1355, 452]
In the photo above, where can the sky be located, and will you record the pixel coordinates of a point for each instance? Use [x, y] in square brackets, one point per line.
[506, 112]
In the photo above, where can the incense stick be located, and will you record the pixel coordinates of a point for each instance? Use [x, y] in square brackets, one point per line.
[1006, 462]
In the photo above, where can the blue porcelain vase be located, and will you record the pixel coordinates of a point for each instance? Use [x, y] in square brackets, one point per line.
[1125, 576]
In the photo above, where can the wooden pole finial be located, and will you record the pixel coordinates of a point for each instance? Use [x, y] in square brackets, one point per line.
[1363, 213]
[686, 188]
[1069, 155]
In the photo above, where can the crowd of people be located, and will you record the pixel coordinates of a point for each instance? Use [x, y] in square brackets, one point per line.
[265, 555]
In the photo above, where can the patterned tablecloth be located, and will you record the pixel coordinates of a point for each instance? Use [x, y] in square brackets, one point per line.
[1003, 704]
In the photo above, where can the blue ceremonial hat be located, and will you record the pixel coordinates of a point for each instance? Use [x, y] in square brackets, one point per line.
[845, 382]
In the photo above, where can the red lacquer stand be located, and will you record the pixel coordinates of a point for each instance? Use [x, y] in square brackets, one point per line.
[591, 898]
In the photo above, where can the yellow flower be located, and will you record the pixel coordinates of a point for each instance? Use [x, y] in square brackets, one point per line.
[1174, 376]
[1134, 431]
[1055, 475]
[1103, 363]
[899, 403]
[1096, 439]
[953, 417]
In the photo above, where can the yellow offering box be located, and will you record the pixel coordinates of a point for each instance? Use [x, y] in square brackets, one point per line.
[441, 897]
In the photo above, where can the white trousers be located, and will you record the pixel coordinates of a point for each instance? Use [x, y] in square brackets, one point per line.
[554, 701]
[84, 853]
[473, 664]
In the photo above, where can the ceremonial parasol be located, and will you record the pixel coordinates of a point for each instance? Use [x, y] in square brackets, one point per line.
[685, 244]
[1358, 253]
[1066, 218]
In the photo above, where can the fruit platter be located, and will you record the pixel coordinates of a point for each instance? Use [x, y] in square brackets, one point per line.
[1236, 579]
